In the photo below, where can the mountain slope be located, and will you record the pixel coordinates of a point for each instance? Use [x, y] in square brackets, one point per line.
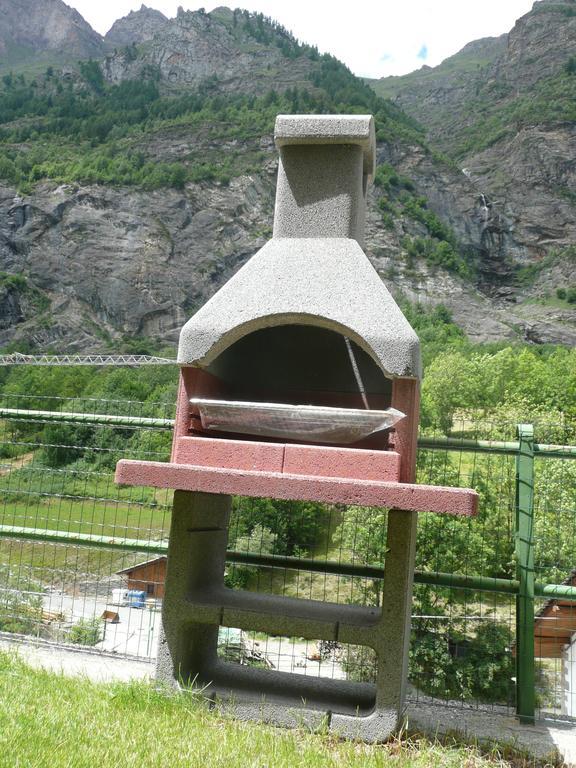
[234, 49]
[137, 27]
[496, 85]
[504, 110]
[44, 30]
[133, 186]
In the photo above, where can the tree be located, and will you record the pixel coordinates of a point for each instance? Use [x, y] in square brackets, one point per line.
[92, 74]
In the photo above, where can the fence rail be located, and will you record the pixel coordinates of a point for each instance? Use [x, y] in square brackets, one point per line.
[526, 591]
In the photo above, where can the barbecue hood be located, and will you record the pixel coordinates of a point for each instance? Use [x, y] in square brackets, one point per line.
[313, 272]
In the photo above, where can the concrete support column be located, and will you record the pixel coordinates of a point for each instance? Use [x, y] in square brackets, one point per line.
[196, 563]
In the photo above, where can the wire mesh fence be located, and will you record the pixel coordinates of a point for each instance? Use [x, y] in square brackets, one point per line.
[58, 477]
[82, 561]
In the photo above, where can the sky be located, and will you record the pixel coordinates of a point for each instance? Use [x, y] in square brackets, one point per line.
[375, 38]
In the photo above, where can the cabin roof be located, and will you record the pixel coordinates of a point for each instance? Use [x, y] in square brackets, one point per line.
[142, 565]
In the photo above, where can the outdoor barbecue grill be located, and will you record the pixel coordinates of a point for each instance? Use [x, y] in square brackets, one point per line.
[299, 380]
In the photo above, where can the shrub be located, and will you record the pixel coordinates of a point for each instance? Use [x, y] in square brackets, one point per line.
[462, 667]
[86, 632]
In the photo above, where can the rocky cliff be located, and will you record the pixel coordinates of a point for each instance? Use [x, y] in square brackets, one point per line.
[44, 30]
[487, 231]
[137, 27]
[502, 110]
[228, 47]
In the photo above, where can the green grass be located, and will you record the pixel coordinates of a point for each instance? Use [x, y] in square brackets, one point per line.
[81, 502]
[49, 721]
[548, 301]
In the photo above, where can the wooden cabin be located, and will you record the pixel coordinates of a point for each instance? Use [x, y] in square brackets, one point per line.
[149, 576]
[555, 638]
[555, 625]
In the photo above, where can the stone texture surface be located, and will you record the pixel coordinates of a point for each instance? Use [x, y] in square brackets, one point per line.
[341, 462]
[46, 27]
[322, 281]
[320, 192]
[308, 460]
[235, 454]
[197, 603]
[290, 130]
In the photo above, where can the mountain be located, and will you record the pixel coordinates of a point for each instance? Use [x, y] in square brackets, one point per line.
[134, 183]
[138, 27]
[235, 49]
[46, 31]
[503, 111]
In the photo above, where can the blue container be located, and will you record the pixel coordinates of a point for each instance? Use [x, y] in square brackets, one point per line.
[136, 598]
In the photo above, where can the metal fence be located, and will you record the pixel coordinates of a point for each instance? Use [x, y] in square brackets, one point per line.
[82, 561]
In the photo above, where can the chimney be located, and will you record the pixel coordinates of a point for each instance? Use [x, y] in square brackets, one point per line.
[326, 163]
[313, 271]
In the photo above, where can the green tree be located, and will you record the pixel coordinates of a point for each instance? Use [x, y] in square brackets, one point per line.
[92, 73]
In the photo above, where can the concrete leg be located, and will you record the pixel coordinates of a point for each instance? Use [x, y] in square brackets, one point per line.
[196, 562]
[196, 604]
[391, 636]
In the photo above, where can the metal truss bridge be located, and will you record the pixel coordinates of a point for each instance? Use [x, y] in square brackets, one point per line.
[17, 358]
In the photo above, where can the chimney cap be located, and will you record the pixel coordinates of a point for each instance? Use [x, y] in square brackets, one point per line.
[293, 130]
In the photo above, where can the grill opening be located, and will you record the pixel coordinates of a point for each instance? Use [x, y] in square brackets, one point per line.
[301, 365]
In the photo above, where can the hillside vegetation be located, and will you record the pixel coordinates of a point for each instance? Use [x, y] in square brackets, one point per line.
[86, 130]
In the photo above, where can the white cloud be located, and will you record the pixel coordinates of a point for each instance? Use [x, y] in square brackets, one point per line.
[373, 37]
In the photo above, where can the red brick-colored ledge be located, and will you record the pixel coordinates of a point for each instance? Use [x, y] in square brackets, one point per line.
[407, 496]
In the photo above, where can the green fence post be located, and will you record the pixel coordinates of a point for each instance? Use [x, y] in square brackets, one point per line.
[524, 548]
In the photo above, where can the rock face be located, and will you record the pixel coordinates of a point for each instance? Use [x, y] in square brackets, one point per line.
[539, 43]
[194, 46]
[517, 207]
[486, 73]
[30, 28]
[110, 264]
[138, 27]
[114, 263]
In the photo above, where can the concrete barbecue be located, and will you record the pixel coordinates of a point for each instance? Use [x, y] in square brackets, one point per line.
[299, 380]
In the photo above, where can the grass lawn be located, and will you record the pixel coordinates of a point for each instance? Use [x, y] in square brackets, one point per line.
[50, 721]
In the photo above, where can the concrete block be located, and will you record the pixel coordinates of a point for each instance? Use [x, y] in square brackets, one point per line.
[341, 462]
[371, 493]
[375, 727]
[324, 281]
[311, 130]
[235, 454]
